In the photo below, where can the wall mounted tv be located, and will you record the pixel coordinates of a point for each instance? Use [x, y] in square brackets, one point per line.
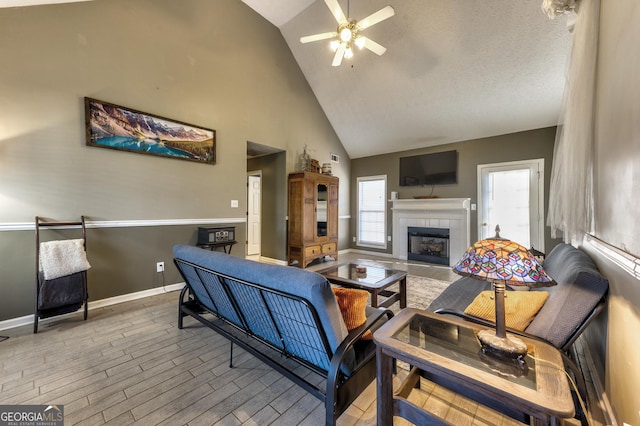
[438, 168]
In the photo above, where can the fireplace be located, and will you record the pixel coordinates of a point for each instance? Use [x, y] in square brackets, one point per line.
[451, 213]
[428, 244]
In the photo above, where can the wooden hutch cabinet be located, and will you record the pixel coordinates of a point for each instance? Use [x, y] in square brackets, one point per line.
[313, 217]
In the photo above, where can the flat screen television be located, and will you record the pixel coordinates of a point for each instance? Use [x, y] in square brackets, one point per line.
[438, 168]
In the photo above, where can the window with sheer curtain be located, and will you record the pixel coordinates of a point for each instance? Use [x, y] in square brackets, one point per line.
[372, 211]
[571, 189]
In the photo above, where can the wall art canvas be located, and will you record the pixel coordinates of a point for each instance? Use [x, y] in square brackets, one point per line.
[116, 127]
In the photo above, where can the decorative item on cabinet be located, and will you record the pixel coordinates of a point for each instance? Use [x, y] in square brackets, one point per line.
[313, 217]
[304, 161]
[314, 166]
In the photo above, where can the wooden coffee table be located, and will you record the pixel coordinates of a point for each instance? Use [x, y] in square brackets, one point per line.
[375, 280]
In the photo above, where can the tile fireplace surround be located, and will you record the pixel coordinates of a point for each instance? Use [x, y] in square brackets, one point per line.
[451, 213]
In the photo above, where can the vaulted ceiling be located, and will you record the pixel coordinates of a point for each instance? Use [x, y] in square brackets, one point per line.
[454, 70]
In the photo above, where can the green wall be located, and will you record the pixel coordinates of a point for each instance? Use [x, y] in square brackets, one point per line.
[215, 64]
[511, 147]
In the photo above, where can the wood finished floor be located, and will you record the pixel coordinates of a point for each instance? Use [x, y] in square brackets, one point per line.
[129, 364]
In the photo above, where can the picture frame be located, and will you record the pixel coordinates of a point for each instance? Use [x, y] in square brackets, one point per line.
[116, 127]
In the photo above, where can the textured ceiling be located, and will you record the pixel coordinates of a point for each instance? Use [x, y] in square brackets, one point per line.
[454, 70]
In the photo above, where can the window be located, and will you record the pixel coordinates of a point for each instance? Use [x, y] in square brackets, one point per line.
[372, 211]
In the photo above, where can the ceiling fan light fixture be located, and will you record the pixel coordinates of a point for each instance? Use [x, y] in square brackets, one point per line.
[334, 45]
[360, 41]
[348, 53]
[345, 34]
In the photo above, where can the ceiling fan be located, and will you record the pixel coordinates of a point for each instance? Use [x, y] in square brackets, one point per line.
[347, 32]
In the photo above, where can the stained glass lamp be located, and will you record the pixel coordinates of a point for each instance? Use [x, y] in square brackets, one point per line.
[501, 262]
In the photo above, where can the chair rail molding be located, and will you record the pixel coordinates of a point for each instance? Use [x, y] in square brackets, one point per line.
[626, 261]
[30, 226]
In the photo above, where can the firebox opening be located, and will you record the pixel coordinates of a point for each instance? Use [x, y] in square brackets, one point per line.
[429, 245]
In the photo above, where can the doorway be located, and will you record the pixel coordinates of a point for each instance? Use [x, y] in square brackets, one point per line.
[254, 212]
[511, 195]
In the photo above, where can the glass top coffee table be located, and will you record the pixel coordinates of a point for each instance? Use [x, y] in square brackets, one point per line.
[375, 279]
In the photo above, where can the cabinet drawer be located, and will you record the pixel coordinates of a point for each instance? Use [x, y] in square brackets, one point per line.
[329, 248]
[311, 251]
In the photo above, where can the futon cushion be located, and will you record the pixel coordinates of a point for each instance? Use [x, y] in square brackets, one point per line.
[580, 288]
[353, 303]
[520, 307]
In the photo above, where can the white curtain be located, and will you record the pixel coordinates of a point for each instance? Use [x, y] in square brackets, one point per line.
[571, 193]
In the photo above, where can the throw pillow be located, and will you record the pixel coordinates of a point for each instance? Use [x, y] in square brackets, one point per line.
[519, 307]
[352, 303]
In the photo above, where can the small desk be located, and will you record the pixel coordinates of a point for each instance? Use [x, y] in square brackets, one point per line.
[375, 280]
[226, 246]
[446, 350]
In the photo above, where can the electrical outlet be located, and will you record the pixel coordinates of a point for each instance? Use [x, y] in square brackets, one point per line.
[354, 239]
[160, 267]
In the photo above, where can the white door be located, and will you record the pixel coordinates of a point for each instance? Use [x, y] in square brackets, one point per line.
[253, 213]
[511, 195]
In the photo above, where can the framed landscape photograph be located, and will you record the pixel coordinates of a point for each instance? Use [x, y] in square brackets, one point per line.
[125, 129]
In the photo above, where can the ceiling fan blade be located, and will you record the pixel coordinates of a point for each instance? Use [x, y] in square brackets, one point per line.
[337, 59]
[317, 37]
[374, 18]
[336, 10]
[374, 47]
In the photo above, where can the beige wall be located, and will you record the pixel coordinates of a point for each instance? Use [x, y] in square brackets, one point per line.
[216, 64]
[512, 147]
[617, 177]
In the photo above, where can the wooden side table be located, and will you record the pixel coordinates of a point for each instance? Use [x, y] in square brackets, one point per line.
[446, 350]
[226, 246]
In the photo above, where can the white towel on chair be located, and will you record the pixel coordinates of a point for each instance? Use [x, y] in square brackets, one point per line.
[62, 257]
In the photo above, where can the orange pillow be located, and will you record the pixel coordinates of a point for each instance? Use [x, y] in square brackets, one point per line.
[352, 303]
[520, 307]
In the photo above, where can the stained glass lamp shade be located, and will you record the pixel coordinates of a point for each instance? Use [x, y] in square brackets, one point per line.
[501, 262]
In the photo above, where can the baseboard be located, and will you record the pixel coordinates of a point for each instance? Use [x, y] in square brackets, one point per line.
[272, 261]
[370, 253]
[28, 319]
[605, 405]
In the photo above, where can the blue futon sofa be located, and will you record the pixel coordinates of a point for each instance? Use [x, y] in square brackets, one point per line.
[281, 314]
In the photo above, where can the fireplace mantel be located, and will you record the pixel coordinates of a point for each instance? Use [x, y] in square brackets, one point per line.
[432, 204]
[451, 213]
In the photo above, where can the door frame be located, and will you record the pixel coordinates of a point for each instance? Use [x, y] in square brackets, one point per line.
[511, 165]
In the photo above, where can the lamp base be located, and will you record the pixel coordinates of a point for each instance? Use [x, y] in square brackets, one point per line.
[502, 346]
[516, 367]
